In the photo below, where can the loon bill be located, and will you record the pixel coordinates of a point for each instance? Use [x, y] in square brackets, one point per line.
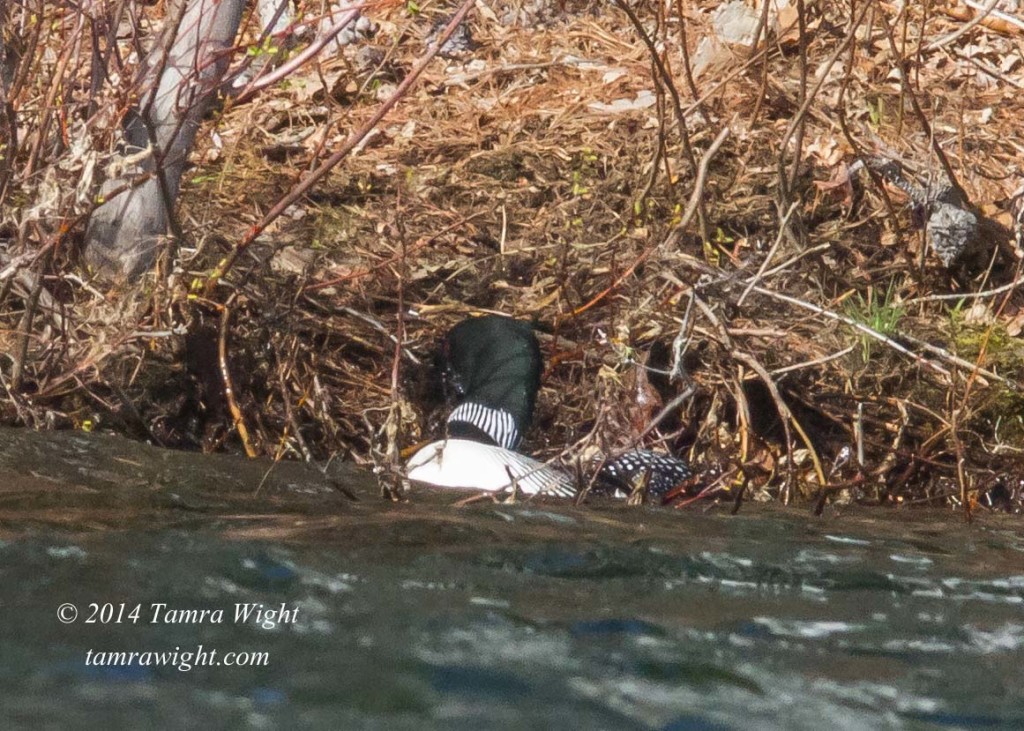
[470, 465]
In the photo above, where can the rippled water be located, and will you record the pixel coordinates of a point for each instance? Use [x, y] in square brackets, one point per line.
[536, 615]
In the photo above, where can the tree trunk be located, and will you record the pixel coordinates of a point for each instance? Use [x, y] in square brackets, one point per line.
[8, 119]
[180, 76]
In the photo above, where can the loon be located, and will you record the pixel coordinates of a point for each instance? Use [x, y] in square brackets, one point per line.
[630, 469]
[470, 465]
[492, 365]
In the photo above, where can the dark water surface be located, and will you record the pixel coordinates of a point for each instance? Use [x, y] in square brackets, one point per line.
[537, 615]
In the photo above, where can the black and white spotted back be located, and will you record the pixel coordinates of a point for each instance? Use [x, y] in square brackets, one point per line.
[627, 471]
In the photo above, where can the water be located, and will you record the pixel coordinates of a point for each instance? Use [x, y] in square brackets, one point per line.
[422, 615]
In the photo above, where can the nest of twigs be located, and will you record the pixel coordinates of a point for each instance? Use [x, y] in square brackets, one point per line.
[728, 265]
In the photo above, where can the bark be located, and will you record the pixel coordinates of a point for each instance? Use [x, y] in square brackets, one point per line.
[8, 119]
[180, 77]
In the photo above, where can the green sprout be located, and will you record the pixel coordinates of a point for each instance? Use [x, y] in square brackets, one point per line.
[881, 315]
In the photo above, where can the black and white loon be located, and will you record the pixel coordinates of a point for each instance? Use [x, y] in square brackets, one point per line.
[493, 365]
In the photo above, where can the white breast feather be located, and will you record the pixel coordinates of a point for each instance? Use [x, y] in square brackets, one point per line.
[463, 464]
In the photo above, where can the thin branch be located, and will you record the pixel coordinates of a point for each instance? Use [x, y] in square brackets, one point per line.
[965, 29]
[303, 186]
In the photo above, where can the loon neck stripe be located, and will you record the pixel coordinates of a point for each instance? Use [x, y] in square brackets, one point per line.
[498, 424]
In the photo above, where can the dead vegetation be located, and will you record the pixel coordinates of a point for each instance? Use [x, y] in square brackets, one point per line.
[706, 242]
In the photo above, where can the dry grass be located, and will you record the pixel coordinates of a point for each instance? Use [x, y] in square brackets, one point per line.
[499, 185]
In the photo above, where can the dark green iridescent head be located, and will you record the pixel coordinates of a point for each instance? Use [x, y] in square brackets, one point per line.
[494, 361]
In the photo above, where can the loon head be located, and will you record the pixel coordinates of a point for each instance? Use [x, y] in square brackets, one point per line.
[492, 365]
